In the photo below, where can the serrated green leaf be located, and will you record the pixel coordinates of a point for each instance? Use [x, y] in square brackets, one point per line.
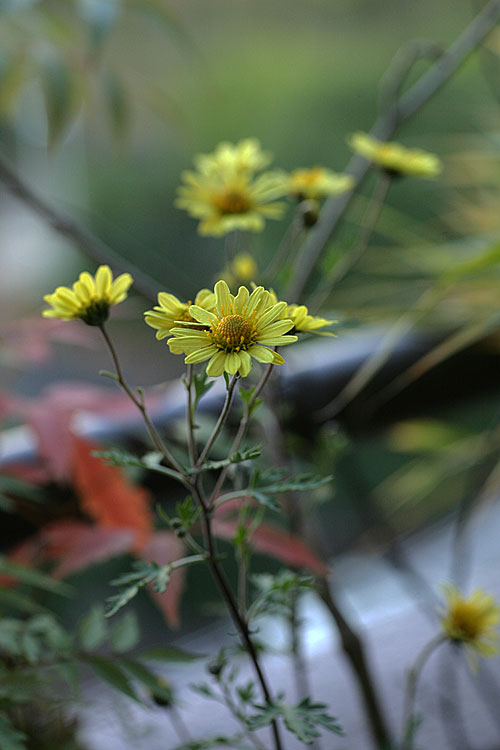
[169, 653]
[93, 629]
[115, 603]
[113, 674]
[125, 635]
[10, 737]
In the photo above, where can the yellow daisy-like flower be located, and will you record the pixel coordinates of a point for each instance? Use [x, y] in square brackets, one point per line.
[241, 327]
[302, 321]
[90, 298]
[242, 269]
[171, 311]
[225, 194]
[306, 323]
[395, 158]
[316, 182]
[245, 156]
[472, 621]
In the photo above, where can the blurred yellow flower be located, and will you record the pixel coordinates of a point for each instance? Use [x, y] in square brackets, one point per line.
[171, 310]
[90, 298]
[306, 323]
[302, 321]
[242, 269]
[241, 327]
[225, 194]
[316, 182]
[395, 158]
[245, 156]
[472, 621]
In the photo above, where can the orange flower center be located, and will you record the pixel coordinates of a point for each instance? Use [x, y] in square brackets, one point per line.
[232, 201]
[233, 333]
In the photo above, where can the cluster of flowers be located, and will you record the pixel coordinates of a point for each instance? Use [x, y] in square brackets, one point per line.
[226, 329]
[229, 330]
[227, 193]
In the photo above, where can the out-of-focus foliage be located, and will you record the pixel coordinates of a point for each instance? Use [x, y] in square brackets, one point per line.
[61, 45]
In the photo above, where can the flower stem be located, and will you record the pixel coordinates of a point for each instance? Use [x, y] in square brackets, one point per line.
[190, 415]
[220, 422]
[367, 227]
[411, 690]
[139, 402]
[241, 431]
[238, 619]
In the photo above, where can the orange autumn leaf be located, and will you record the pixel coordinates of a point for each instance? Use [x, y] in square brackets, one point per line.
[107, 496]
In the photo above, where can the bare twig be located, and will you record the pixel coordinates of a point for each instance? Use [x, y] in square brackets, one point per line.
[91, 245]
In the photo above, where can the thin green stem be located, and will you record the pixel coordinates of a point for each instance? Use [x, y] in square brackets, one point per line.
[220, 422]
[241, 431]
[238, 620]
[367, 227]
[411, 690]
[190, 415]
[139, 402]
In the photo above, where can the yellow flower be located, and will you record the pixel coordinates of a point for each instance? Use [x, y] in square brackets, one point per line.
[472, 621]
[90, 298]
[171, 310]
[245, 156]
[306, 323]
[241, 269]
[395, 158]
[241, 327]
[302, 321]
[316, 182]
[225, 194]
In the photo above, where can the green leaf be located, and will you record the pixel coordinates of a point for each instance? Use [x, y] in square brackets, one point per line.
[10, 737]
[33, 577]
[93, 629]
[116, 602]
[111, 375]
[70, 673]
[15, 600]
[248, 454]
[246, 396]
[100, 17]
[201, 386]
[155, 684]
[117, 104]
[302, 720]
[125, 634]
[169, 654]
[113, 674]
[61, 89]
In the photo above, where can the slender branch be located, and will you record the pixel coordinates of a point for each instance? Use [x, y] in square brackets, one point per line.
[385, 125]
[238, 620]
[139, 402]
[368, 224]
[411, 690]
[220, 422]
[353, 647]
[91, 245]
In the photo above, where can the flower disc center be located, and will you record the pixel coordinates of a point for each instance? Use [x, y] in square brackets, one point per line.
[232, 201]
[233, 333]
